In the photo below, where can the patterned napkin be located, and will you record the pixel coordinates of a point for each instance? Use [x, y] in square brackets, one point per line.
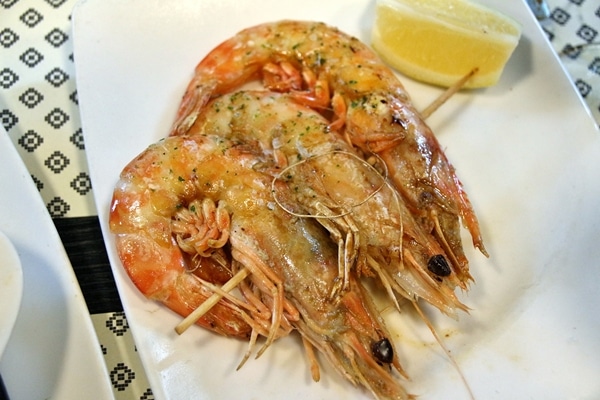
[38, 101]
[573, 29]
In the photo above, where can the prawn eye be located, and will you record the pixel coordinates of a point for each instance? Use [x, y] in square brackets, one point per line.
[383, 351]
[438, 265]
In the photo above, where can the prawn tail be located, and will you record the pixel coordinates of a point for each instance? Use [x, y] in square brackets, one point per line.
[196, 96]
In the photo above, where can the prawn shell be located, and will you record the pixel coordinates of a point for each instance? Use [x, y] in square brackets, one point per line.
[143, 202]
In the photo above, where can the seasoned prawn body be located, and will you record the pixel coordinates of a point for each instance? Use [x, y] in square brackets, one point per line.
[291, 260]
[326, 69]
[374, 229]
[143, 212]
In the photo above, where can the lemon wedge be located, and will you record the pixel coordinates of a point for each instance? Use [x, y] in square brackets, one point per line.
[440, 41]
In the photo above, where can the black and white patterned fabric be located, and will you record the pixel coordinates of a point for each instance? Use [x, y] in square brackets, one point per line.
[38, 101]
[573, 28]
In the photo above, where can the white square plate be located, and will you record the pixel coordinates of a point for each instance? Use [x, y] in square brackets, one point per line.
[525, 149]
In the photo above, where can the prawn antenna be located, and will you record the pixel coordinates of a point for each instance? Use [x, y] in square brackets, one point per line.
[352, 206]
[443, 346]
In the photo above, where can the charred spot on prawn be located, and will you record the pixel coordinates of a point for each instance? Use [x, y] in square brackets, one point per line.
[383, 351]
[439, 266]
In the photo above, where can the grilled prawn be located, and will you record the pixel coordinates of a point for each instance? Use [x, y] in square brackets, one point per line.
[292, 264]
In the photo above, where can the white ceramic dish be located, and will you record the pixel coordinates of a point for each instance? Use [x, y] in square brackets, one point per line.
[11, 288]
[53, 351]
[526, 150]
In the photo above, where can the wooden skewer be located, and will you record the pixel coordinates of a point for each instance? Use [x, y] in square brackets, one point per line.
[447, 94]
[211, 301]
